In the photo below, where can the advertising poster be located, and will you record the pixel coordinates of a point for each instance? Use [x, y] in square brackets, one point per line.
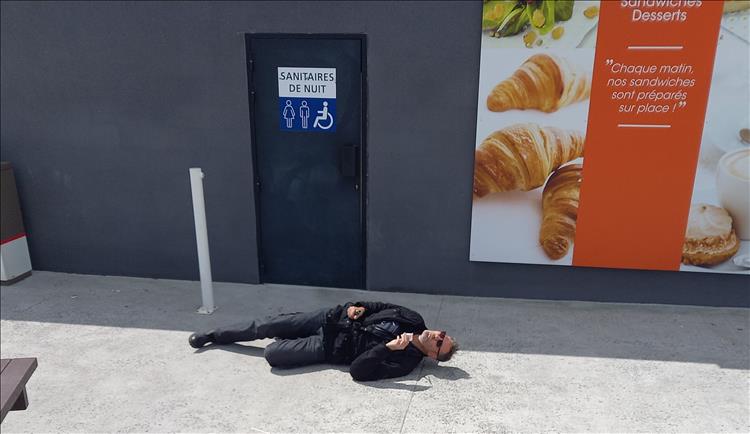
[614, 134]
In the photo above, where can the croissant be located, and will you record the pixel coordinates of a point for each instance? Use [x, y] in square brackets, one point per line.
[560, 210]
[521, 156]
[544, 82]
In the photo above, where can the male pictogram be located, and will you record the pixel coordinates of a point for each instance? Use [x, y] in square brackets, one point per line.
[304, 113]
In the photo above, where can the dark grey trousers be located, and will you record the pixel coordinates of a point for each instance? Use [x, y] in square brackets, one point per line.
[299, 337]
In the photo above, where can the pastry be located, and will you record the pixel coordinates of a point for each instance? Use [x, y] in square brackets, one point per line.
[710, 238]
[544, 82]
[521, 157]
[736, 5]
[560, 210]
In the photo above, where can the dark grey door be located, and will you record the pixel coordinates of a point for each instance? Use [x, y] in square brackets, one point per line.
[308, 152]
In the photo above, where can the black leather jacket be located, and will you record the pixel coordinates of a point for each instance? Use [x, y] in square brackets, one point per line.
[353, 342]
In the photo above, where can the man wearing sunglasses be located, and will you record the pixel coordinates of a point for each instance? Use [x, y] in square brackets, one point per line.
[378, 340]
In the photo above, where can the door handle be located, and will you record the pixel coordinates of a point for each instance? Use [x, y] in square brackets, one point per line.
[348, 160]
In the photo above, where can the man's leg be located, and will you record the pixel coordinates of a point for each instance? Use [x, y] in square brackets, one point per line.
[285, 326]
[288, 353]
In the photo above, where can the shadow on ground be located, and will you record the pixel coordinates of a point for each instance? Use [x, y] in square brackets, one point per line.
[646, 332]
[427, 369]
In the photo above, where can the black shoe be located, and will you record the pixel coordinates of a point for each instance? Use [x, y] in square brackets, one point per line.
[198, 340]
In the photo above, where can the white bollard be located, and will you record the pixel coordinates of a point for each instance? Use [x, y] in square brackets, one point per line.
[201, 237]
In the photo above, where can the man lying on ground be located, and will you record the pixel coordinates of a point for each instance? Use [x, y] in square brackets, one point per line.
[377, 340]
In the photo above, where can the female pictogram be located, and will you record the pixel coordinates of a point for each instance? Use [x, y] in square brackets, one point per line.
[289, 114]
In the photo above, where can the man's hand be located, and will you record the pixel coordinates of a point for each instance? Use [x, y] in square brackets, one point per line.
[355, 312]
[400, 342]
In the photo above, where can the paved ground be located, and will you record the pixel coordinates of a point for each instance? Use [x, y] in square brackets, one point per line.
[113, 356]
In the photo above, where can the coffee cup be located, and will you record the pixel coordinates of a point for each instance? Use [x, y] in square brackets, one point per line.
[733, 186]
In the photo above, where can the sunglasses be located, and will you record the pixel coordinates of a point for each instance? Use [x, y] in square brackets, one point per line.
[439, 342]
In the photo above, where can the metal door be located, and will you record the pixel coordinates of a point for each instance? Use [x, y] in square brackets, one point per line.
[308, 157]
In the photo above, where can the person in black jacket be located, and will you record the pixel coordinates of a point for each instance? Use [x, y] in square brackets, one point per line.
[378, 340]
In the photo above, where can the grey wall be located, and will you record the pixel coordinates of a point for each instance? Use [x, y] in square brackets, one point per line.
[106, 105]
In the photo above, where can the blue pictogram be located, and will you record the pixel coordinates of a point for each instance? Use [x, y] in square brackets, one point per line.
[294, 114]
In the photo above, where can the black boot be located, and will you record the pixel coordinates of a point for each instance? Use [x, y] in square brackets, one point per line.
[198, 340]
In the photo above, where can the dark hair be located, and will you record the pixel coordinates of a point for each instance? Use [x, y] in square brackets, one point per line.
[444, 357]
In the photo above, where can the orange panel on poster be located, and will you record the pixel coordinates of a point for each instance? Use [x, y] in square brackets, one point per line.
[642, 147]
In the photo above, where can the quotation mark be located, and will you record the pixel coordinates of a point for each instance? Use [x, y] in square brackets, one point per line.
[678, 105]
[609, 61]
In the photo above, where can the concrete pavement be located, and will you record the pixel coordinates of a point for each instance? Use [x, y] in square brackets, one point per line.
[113, 356]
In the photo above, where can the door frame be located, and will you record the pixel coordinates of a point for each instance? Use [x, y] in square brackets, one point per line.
[363, 153]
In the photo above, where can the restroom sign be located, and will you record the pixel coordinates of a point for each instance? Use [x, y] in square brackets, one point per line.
[307, 99]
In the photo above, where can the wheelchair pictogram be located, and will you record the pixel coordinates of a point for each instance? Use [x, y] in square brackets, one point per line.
[323, 115]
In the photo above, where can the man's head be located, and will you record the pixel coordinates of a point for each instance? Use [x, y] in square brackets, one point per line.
[437, 345]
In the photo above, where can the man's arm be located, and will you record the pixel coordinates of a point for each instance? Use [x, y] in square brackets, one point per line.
[372, 307]
[380, 362]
